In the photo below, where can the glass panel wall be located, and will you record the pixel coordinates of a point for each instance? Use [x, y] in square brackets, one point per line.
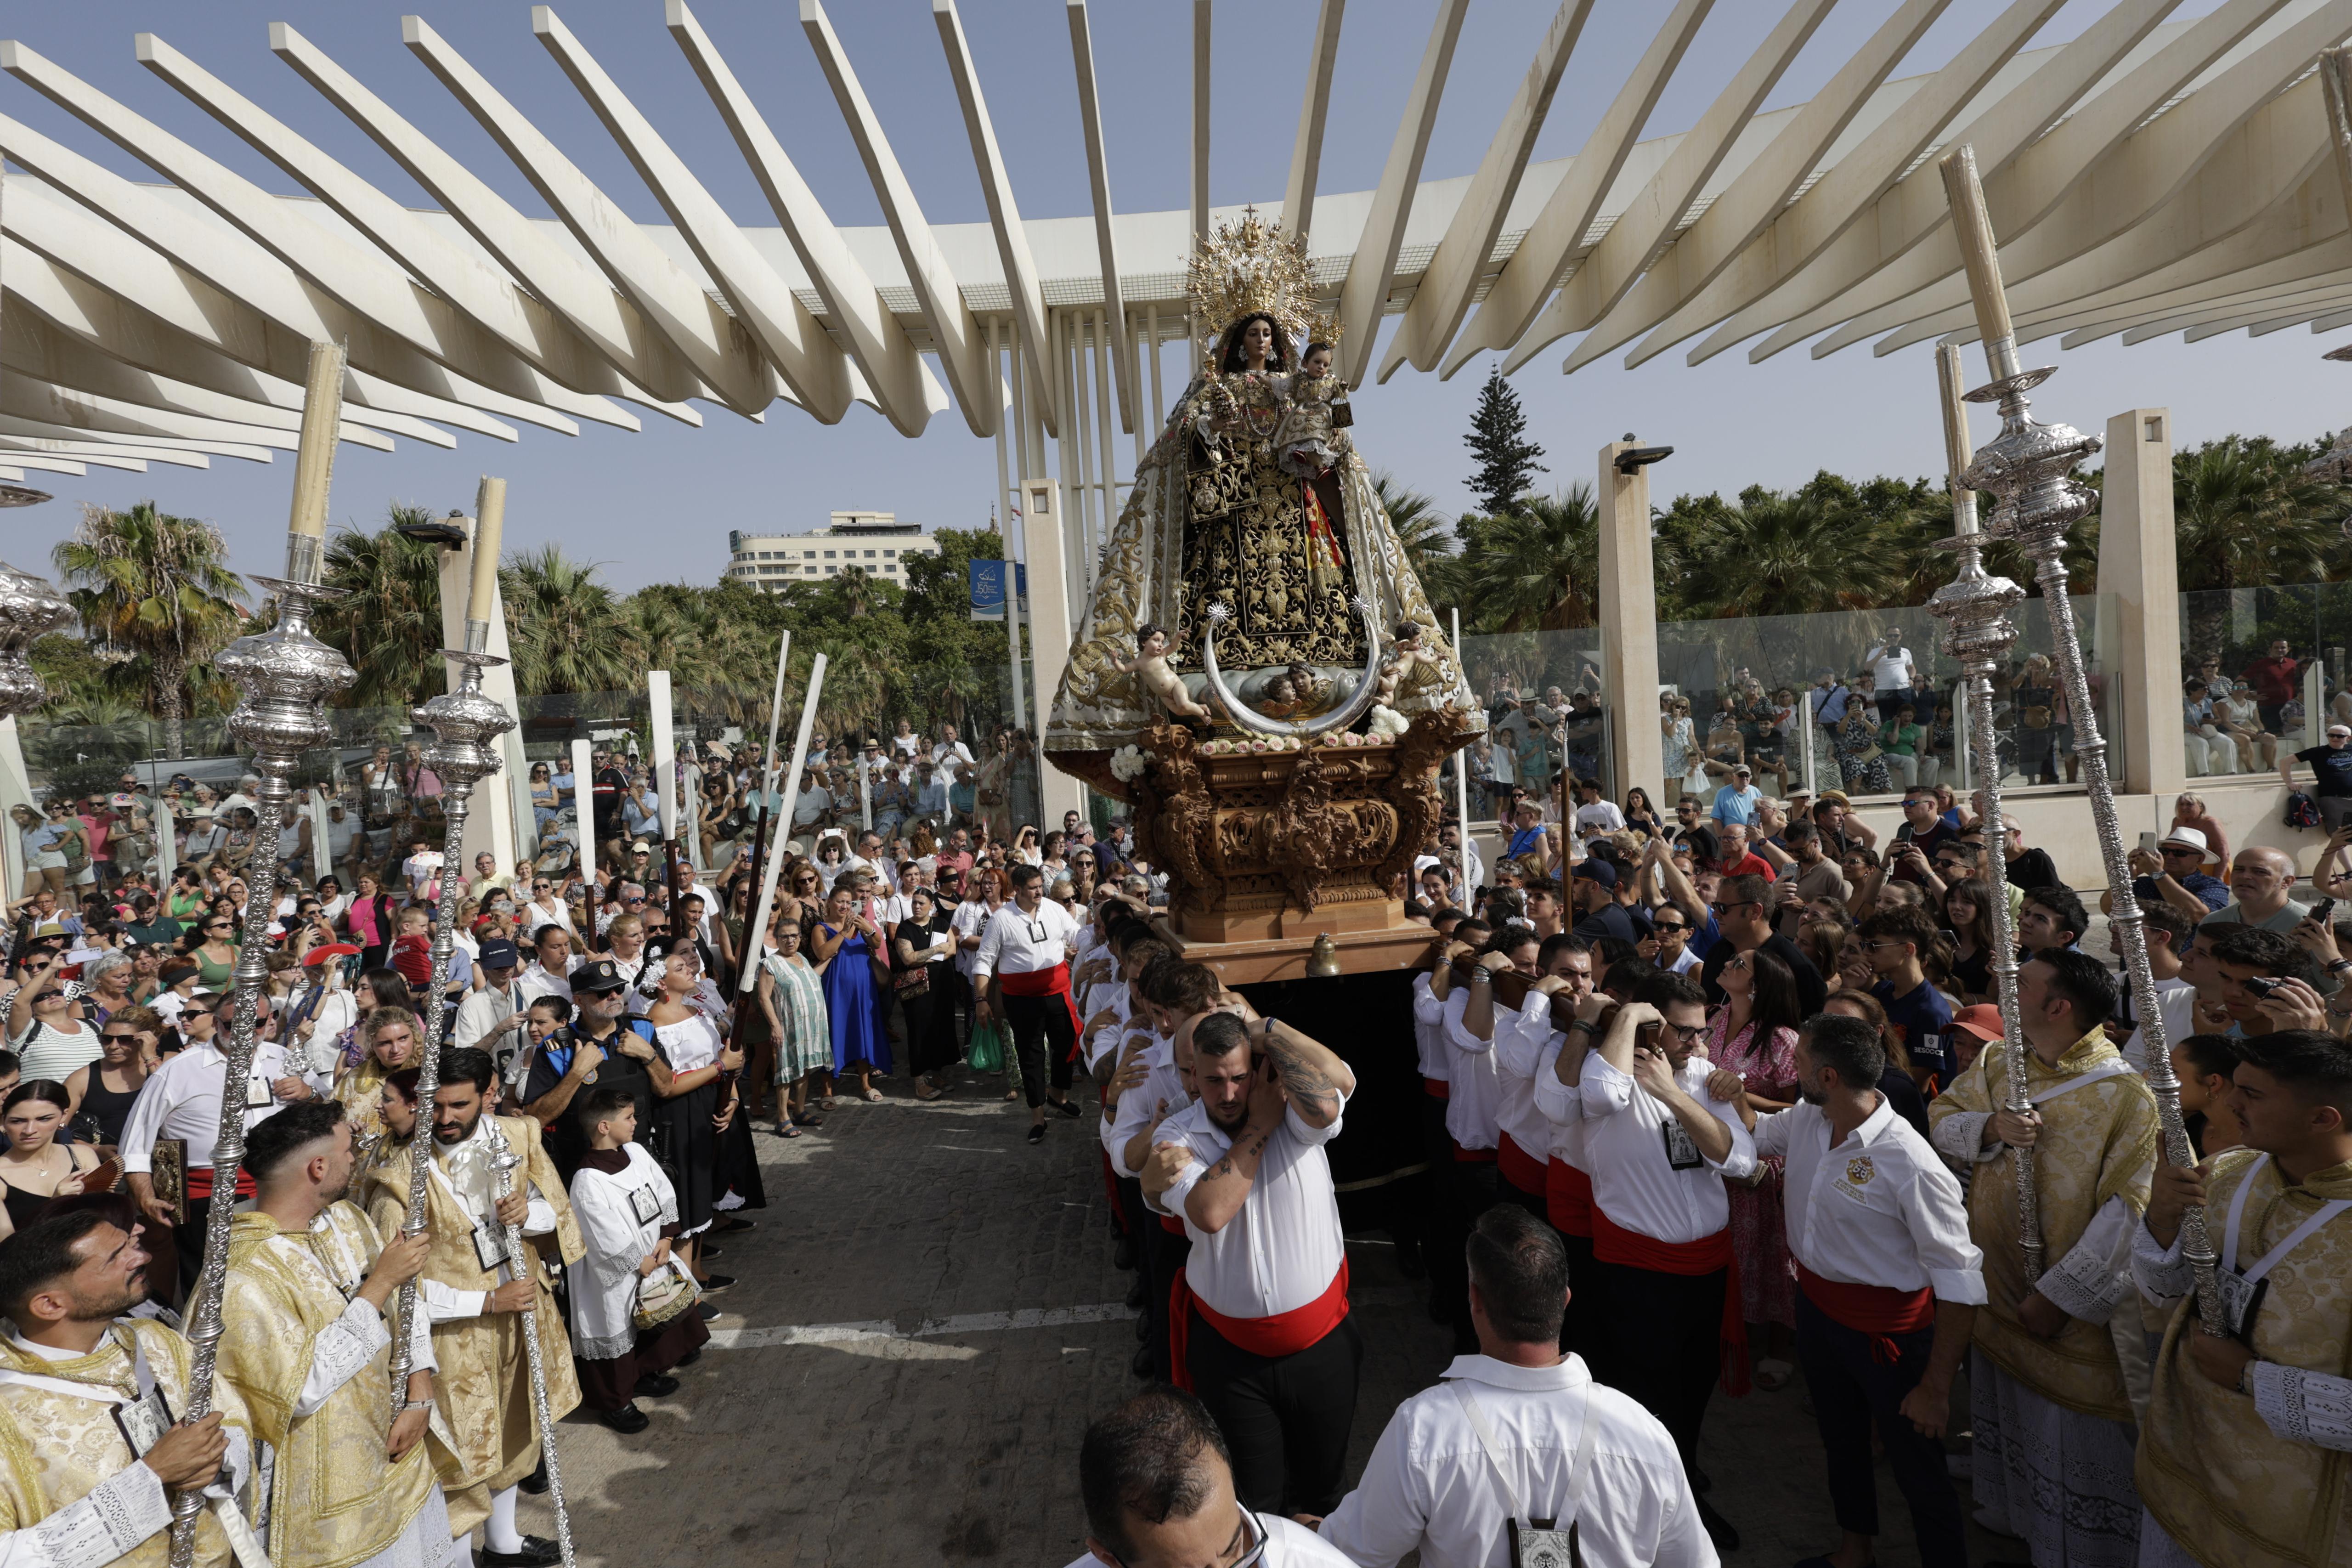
[2263, 673]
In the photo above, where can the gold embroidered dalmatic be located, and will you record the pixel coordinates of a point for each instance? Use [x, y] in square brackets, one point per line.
[2097, 1142]
[484, 1431]
[55, 1448]
[2222, 1484]
[335, 1499]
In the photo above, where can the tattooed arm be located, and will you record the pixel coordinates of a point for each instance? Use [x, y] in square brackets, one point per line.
[1224, 1187]
[1314, 1078]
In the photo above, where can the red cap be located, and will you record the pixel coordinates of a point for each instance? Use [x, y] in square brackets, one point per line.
[327, 950]
[1983, 1021]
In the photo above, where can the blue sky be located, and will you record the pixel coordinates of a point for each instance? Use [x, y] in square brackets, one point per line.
[656, 506]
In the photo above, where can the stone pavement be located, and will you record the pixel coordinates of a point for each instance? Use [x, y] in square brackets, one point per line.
[926, 1319]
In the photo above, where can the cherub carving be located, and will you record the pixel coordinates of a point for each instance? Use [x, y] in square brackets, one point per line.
[1405, 655]
[1149, 665]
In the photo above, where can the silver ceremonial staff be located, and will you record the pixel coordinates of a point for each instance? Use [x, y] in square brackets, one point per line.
[1974, 607]
[285, 675]
[520, 1258]
[2029, 467]
[466, 724]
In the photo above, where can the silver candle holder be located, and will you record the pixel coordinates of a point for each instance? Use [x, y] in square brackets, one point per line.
[286, 674]
[2029, 467]
[518, 1257]
[466, 724]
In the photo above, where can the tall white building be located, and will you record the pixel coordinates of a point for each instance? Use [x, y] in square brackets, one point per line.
[874, 540]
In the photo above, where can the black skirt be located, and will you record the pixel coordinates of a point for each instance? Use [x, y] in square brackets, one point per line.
[687, 1146]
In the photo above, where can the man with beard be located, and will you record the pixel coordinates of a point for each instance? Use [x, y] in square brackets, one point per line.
[489, 1440]
[1888, 1284]
[1262, 1335]
[69, 1488]
[306, 1344]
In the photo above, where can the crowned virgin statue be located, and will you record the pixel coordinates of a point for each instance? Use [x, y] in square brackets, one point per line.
[1253, 584]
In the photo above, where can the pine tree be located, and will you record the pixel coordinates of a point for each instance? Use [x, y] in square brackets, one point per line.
[1498, 436]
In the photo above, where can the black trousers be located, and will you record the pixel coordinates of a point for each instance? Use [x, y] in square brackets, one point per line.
[1850, 1388]
[1478, 1185]
[1166, 1251]
[1042, 1037]
[1442, 1235]
[1580, 1326]
[1661, 1343]
[1286, 1418]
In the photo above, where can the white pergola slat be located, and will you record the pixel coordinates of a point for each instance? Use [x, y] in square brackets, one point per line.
[2147, 177]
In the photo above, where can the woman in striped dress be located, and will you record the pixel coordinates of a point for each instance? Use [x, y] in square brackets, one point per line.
[792, 997]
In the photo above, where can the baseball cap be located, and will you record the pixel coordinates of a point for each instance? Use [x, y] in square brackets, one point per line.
[641, 847]
[497, 953]
[1983, 1021]
[1595, 870]
[598, 978]
[1741, 768]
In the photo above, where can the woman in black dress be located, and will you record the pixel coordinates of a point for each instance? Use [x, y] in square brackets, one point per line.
[37, 1168]
[922, 954]
[697, 1108]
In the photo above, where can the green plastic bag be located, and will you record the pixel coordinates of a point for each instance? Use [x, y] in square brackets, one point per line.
[987, 1052]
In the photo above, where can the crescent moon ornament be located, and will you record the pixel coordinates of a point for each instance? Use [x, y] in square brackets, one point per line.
[1355, 708]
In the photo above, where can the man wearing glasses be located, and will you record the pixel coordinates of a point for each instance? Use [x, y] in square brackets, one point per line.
[1660, 1152]
[2331, 772]
[2173, 871]
[1157, 1482]
[1023, 975]
[1892, 941]
[1737, 920]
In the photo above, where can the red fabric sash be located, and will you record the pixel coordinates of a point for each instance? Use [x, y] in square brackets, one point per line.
[1285, 1333]
[1612, 1242]
[1171, 1225]
[1568, 1199]
[1437, 1088]
[1521, 1169]
[1053, 982]
[200, 1181]
[1879, 1311]
[1473, 1156]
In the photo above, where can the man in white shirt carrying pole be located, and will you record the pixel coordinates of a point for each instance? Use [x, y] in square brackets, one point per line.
[1263, 1334]
[1520, 1437]
[1022, 976]
[1158, 1482]
[1660, 1151]
[1888, 1287]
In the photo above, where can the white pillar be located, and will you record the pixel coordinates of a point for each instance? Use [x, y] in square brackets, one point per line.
[15, 790]
[1049, 634]
[490, 823]
[1629, 622]
[2136, 565]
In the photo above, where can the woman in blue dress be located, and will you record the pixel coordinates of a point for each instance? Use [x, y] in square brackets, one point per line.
[847, 945]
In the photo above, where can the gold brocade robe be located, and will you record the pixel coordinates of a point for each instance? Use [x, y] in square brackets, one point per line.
[2097, 1142]
[55, 1448]
[2222, 1484]
[335, 1499]
[485, 1432]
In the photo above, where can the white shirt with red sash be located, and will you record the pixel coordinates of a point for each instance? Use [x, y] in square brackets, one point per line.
[1559, 1111]
[1473, 1096]
[1523, 1143]
[1429, 1039]
[1877, 1224]
[1028, 950]
[1274, 1278]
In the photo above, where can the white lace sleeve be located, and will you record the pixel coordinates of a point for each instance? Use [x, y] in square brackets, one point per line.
[340, 1352]
[104, 1525]
[2162, 1273]
[1960, 1138]
[2305, 1406]
[2096, 1275]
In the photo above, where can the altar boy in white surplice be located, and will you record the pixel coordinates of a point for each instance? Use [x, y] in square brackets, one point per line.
[632, 1306]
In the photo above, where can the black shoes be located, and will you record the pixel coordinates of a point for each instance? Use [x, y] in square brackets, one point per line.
[1135, 1291]
[1122, 1257]
[656, 1385]
[538, 1551]
[1068, 1108]
[716, 1283]
[628, 1420]
[706, 1312]
[711, 1250]
[1141, 1364]
[1037, 1134]
[690, 1357]
[535, 1483]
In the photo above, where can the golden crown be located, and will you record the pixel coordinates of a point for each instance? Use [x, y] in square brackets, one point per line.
[1251, 267]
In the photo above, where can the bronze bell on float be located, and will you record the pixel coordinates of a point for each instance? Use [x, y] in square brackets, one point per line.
[1323, 963]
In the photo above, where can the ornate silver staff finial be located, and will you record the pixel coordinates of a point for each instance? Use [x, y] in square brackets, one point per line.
[506, 1160]
[2029, 467]
[29, 609]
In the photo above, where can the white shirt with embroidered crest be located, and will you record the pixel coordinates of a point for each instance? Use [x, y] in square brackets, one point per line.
[1879, 1208]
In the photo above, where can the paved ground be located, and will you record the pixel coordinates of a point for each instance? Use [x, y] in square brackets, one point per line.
[927, 1320]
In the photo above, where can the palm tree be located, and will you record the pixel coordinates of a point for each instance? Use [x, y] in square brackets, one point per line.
[388, 622]
[2247, 516]
[1798, 553]
[1426, 533]
[158, 585]
[563, 626]
[1534, 567]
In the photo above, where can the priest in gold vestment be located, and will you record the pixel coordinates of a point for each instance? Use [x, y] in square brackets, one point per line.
[2051, 1461]
[306, 1344]
[2246, 1456]
[485, 1435]
[73, 1378]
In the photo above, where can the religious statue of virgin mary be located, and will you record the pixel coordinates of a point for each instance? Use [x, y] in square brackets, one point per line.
[1253, 581]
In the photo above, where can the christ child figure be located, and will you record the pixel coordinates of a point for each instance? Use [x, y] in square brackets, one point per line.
[1150, 663]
